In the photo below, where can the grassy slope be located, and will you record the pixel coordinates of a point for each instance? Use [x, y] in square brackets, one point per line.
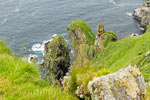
[114, 56]
[130, 50]
[20, 80]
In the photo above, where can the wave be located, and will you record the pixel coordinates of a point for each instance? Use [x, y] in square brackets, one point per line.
[122, 4]
[129, 14]
[40, 47]
[4, 20]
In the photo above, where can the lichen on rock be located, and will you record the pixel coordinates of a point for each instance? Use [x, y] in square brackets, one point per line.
[126, 84]
[56, 59]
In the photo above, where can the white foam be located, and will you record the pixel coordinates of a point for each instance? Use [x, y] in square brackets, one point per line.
[37, 47]
[119, 4]
[40, 47]
[129, 14]
[54, 35]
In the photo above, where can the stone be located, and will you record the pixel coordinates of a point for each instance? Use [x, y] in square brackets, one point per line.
[126, 84]
[56, 59]
[143, 15]
[103, 35]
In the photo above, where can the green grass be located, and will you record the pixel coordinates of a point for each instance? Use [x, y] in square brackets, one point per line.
[20, 80]
[85, 29]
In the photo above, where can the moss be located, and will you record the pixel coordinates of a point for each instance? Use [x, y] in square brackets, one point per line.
[56, 59]
[109, 37]
[85, 29]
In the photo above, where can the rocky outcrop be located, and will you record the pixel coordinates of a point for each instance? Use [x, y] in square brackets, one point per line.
[85, 44]
[143, 14]
[82, 39]
[56, 59]
[104, 37]
[126, 84]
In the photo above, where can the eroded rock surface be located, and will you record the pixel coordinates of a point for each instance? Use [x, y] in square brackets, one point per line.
[56, 59]
[126, 84]
[82, 40]
[104, 37]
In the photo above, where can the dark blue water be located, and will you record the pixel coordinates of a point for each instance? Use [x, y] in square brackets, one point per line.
[33, 21]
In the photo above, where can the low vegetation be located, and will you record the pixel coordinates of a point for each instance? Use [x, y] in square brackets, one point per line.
[20, 80]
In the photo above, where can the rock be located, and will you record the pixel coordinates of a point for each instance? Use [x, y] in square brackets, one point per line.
[133, 34]
[85, 44]
[143, 14]
[147, 53]
[104, 37]
[56, 59]
[126, 84]
[82, 39]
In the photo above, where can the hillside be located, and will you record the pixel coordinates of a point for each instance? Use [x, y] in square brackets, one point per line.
[20, 80]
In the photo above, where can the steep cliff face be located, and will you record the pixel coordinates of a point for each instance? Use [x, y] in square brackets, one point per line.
[56, 59]
[82, 39]
[85, 44]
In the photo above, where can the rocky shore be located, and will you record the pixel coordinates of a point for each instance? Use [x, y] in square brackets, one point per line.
[143, 15]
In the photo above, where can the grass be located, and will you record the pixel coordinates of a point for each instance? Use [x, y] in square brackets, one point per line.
[85, 29]
[20, 80]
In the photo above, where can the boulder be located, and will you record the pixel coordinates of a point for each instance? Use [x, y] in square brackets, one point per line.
[126, 84]
[143, 14]
[56, 59]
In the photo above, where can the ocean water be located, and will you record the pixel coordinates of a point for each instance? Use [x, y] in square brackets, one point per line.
[33, 22]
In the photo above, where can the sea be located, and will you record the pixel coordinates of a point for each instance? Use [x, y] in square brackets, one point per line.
[33, 22]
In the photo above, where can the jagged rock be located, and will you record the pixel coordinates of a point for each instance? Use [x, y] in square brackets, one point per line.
[56, 59]
[104, 37]
[143, 14]
[82, 40]
[126, 84]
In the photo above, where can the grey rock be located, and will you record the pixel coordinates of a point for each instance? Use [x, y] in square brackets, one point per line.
[143, 14]
[126, 84]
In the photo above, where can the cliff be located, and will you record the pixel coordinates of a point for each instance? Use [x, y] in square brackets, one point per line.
[116, 54]
[56, 59]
